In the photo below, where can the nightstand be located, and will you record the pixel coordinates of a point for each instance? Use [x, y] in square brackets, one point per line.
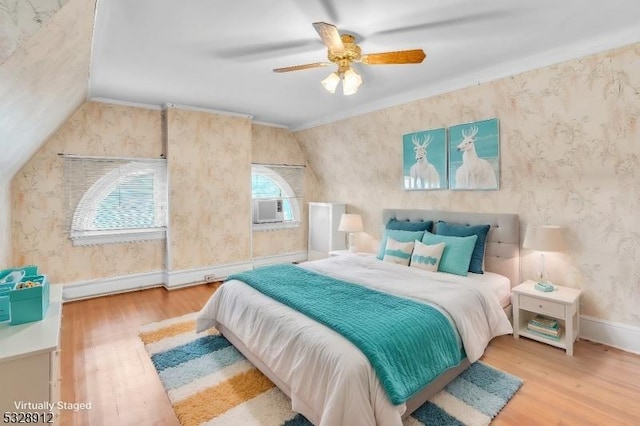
[563, 303]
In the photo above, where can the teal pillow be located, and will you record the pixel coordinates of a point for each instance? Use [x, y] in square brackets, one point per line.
[405, 225]
[454, 230]
[457, 252]
[399, 236]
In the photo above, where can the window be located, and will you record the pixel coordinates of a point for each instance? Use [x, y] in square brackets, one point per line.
[285, 182]
[115, 200]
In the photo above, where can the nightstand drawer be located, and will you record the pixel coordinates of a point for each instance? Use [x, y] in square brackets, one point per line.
[541, 306]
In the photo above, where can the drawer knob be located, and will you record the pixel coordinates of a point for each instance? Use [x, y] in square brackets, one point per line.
[540, 306]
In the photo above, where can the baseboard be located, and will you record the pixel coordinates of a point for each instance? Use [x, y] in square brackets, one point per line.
[105, 286]
[188, 277]
[169, 279]
[616, 335]
[299, 256]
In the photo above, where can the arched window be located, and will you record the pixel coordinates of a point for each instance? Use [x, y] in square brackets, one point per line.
[268, 183]
[116, 200]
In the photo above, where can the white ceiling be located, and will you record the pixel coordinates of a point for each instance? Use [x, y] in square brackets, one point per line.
[219, 54]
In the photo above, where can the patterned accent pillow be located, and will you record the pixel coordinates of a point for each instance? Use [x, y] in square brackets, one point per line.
[398, 235]
[397, 252]
[426, 257]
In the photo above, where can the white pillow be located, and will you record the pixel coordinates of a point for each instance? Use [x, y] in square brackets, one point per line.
[427, 257]
[397, 252]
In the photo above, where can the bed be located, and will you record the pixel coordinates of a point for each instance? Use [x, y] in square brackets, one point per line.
[329, 380]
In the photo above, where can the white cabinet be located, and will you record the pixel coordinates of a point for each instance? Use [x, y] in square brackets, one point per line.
[30, 361]
[324, 219]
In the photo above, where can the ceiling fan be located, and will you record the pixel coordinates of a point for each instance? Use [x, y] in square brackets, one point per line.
[343, 51]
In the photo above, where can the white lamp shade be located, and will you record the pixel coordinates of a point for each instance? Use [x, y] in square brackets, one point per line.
[350, 223]
[331, 82]
[545, 238]
[351, 82]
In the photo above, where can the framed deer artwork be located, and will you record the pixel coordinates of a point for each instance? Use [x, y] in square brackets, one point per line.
[474, 155]
[424, 160]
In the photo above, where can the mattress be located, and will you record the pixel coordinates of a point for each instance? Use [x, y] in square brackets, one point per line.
[500, 286]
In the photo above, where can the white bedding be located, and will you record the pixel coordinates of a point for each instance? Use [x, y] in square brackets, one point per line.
[499, 285]
[330, 381]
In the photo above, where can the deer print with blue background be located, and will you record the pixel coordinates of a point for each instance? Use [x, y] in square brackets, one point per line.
[474, 155]
[424, 160]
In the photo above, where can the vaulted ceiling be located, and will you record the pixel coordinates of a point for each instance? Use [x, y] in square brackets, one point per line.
[220, 55]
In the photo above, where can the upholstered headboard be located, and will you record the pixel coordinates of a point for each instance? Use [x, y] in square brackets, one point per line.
[502, 254]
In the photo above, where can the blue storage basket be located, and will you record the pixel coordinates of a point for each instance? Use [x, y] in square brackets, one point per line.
[5, 312]
[29, 304]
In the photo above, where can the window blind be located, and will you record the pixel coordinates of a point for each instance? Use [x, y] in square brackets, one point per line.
[265, 174]
[104, 193]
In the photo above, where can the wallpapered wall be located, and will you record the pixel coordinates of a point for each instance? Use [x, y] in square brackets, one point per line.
[44, 81]
[570, 155]
[273, 145]
[209, 160]
[20, 19]
[39, 234]
[5, 225]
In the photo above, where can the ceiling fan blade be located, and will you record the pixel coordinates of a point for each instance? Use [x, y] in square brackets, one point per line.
[329, 35]
[302, 67]
[400, 57]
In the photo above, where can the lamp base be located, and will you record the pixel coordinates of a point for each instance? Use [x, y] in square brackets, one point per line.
[352, 243]
[543, 284]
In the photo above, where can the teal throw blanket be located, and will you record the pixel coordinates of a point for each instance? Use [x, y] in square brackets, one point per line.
[408, 343]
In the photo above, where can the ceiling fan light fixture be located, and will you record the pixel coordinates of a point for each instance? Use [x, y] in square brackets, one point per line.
[351, 82]
[331, 82]
[343, 51]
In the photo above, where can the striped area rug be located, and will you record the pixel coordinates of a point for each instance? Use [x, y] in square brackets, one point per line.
[210, 383]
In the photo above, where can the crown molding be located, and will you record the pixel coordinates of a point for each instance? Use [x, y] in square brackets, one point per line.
[268, 124]
[125, 103]
[208, 110]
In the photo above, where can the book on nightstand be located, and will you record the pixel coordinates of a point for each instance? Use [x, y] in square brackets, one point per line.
[546, 327]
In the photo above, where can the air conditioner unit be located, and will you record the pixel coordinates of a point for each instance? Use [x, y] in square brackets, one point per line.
[268, 210]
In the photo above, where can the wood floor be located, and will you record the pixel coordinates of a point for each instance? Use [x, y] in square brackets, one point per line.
[104, 362]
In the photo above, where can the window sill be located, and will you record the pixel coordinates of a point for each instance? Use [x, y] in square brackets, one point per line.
[275, 226]
[89, 238]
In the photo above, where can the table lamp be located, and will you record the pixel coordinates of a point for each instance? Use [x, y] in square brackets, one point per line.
[351, 223]
[544, 238]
